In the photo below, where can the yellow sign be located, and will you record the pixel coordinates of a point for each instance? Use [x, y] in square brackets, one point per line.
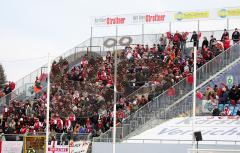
[36, 142]
[223, 13]
[191, 15]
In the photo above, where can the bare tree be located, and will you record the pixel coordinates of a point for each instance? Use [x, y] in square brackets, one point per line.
[2, 75]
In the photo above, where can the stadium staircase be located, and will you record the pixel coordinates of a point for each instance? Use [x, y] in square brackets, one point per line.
[165, 107]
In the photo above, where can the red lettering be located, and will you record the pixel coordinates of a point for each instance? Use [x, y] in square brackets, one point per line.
[157, 18]
[115, 20]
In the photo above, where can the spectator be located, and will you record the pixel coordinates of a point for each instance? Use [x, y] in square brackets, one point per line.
[205, 42]
[194, 38]
[163, 41]
[177, 38]
[227, 111]
[235, 36]
[238, 112]
[212, 42]
[216, 112]
[226, 43]
[224, 35]
[183, 44]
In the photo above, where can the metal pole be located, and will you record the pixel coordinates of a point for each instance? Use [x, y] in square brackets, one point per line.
[194, 94]
[48, 102]
[115, 96]
[227, 23]
[198, 26]
[91, 35]
[142, 34]
[170, 26]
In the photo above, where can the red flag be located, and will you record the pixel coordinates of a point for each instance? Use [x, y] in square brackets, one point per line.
[199, 35]
[199, 95]
[168, 35]
[190, 79]
[171, 91]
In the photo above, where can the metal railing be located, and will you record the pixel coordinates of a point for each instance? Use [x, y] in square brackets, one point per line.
[164, 106]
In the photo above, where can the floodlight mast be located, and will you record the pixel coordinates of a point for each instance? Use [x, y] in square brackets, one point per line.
[194, 93]
[115, 96]
[48, 102]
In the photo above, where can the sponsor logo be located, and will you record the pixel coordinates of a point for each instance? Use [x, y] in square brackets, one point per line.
[148, 18]
[210, 131]
[191, 15]
[223, 13]
[110, 21]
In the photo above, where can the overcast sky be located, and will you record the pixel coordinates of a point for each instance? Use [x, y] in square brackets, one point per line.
[29, 29]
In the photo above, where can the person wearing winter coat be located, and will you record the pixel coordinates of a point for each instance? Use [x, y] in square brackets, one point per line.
[194, 38]
[235, 36]
[205, 42]
[224, 35]
[226, 43]
[212, 41]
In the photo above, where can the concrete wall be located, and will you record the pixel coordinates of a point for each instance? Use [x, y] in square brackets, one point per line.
[101, 147]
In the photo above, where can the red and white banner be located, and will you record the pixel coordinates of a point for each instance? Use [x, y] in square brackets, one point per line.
[79, 146]
[55, 148]
[142, 18]
[169, 16]
[11, 146]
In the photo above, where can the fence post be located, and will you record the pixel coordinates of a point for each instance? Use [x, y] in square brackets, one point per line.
[170, 26]
[198, 26]
[227, 23]
[91, 35]
[142, 34]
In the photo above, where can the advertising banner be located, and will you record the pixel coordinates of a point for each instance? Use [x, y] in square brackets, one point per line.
[112, 20]
[11, 146]
[228, 13]
[212, 128]
[79, 146]
[55, 148]
[145, 18]
[170, 16]
[179, 16]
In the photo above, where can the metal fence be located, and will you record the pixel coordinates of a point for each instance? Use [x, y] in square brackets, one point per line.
[149, 39]
[165, 107]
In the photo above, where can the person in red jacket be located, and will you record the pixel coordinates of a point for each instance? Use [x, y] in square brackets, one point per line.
[226, 43]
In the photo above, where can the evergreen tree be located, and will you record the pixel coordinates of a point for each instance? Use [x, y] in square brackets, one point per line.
[2, 76]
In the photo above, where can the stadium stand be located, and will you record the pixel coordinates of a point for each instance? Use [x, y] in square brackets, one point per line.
[82, 91]
[81, 94]
[179, 101]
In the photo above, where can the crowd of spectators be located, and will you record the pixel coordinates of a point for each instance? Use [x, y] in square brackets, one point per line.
[224, 101]
[26, 116]
[6, 88]
[82, 95]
